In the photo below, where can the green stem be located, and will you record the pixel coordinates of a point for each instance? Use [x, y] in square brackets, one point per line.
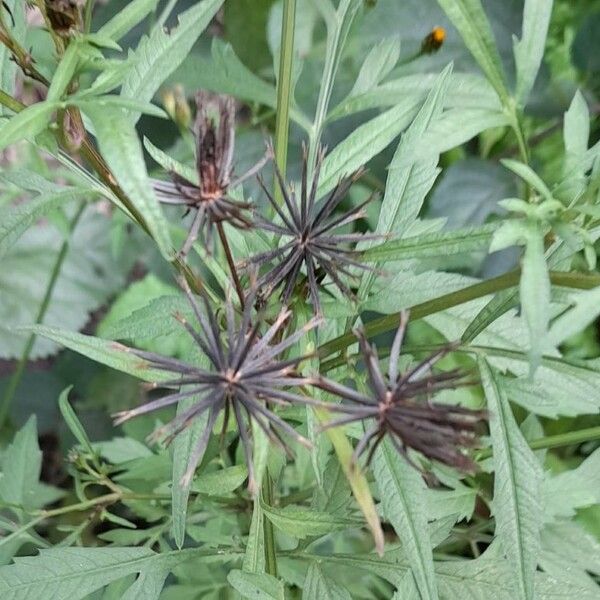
[87, 15]
[478, 290]
[268, 531]
[15, 380]
[572, 438]
[10, 102]
[284, 90]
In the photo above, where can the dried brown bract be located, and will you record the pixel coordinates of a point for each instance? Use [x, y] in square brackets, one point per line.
[399, 406]
[244, 378]
[308, 237]
[215, 138]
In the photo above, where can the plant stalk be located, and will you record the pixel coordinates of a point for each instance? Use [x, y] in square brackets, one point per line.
[231, 263]
[268, 531]
[472, 292]
[571, 438]
[284, 91]
[15, 380]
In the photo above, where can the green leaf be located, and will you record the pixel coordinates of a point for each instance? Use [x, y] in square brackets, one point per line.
[73, 573]
[161, 53]
[381, 59]
[534, 291]
[219, 483]
[409, 181]
[465, 91]
[258, 586]
[586, 307]
[183, 448]
[27, 124]
[433, 245]
[127, 18]
[401, 490]
[364, 142]
[317, 586]
[529, 50]
[254, 558]
[72, 422]
[517, 488]
[110, 102]
[302, 523]
[15, 220]
[528, 175]
[576, 132]
[88, 277]
[21, 467]
[148, 586]
[570, 490]
[122, 151]
[106, 352]
[472, 24]
[64, 73]
[170, 164]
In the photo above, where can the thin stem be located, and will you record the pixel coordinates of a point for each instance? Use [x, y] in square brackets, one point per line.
[87, 15]
[284, 90]
[10, 102]
[15, 380]
[572, 438]
[231, 263]
[418, 311]
[269, 534]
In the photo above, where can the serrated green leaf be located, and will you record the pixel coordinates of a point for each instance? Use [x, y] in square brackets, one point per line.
[570, 490]
[380, 60]
[122, 151]
[106, 352]
[364, 142]
[148, 586]
[534, 292]
[161, 53]
[529, 50]
[432, 245]
[170, 164]
[254, 558]
[73, 573]
[27, 124]
[259, 586]
[586, 307]
[21, 467]
[517, 488]
[219, 483]
[317, 586]
[401, 490]
[472, 24]
[302, 523]
[127, 18]
[408, 180]
[15, 220]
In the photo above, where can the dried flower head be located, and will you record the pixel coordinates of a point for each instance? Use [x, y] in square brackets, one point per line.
[308, 238]
[397, 407]
[214, 155]
[245, 374]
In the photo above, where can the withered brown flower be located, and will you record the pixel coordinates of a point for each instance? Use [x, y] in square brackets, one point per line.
[214, 155]
[399, 406]
[244, 378]
[308, 236]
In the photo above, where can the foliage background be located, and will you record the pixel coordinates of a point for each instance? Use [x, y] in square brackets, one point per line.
[114, 280]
